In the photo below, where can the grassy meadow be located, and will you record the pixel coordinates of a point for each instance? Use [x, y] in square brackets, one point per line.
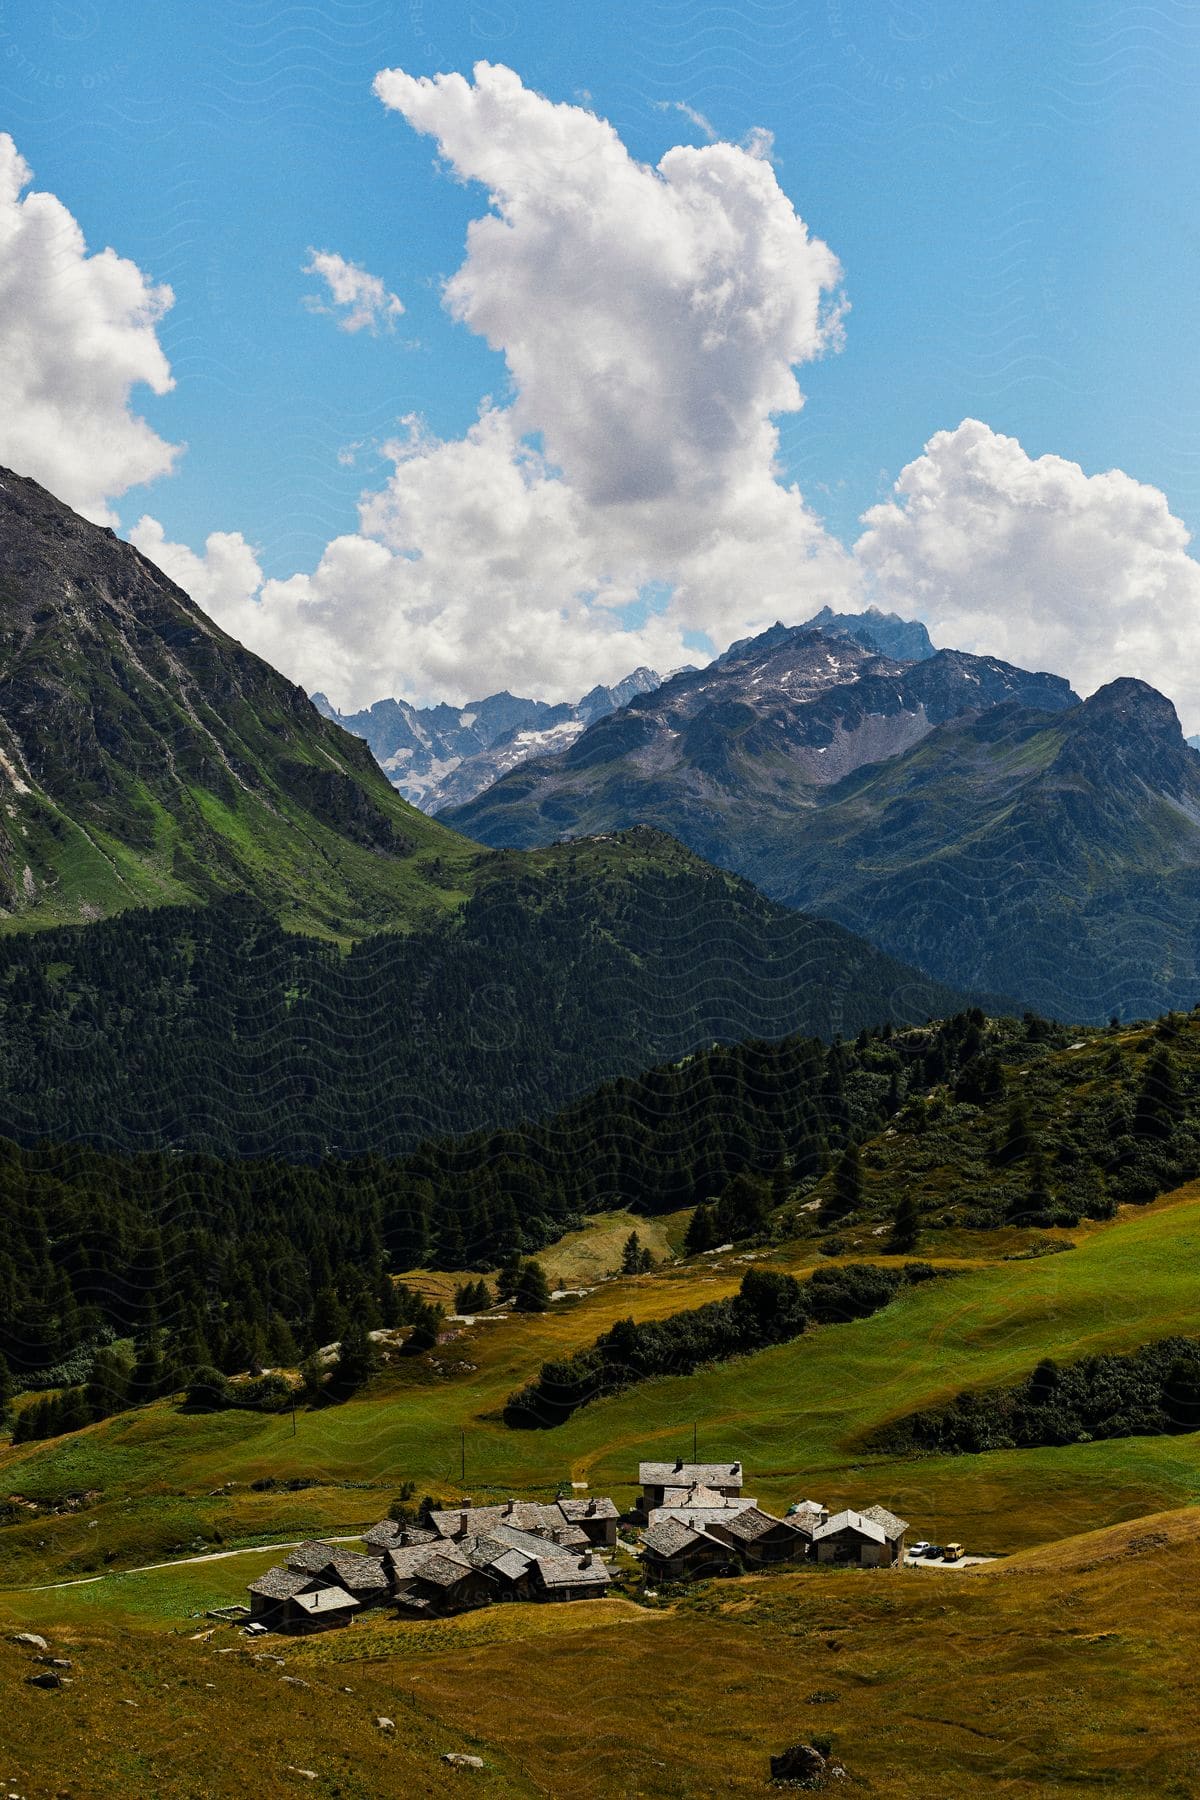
[1064, 1666]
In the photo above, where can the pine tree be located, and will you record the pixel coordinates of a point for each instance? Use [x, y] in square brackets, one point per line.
[533, 1290]
[906, 1224]
[847, 1194]
[357, 1357]
[631, 1256]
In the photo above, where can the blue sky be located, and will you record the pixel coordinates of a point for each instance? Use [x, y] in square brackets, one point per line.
[1010, 193]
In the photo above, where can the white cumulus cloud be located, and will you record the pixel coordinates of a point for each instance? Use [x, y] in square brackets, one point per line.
[77, 335]
[1031, 559]
[652, 320]
[359, 298]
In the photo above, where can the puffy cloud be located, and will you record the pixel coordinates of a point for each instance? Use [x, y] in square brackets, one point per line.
[1031, 559]
[224, 581]
[651, 320]
[77, 335]
[364, 302]
[471, 572]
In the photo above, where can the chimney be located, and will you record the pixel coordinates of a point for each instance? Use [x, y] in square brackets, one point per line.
[737, 1469]
[404, 1537]
[462, 1523]
[679, 1462]
[510, 1507]
[591, 1506]
[585, 1561]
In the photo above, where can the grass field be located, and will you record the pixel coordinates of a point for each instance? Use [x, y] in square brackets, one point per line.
[1066, 1670]
[1067, 1666]
[796, 1415]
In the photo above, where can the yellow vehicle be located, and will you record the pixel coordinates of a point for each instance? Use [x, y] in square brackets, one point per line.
[953, 1553]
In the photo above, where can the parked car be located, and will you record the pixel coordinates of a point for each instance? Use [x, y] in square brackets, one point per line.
[921, 1549]
[933, 1550]
[953, 1553]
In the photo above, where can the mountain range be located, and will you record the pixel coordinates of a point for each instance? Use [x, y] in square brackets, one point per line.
[184, 833]
[444, 755]
[974, 818]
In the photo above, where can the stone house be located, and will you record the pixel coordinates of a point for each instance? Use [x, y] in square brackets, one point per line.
[294, 1600]
[757, 1538]
[869, 1540]
[678, 1550]
[657, 1479]
[571, 1577]
[595, 1517]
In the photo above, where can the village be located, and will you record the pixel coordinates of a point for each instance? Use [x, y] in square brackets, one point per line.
[691, 1521]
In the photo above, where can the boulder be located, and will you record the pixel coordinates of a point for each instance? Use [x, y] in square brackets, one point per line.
[799, 1763]
[387, 1725]
[30, 1639]
[457, 1760]
[46, 1678]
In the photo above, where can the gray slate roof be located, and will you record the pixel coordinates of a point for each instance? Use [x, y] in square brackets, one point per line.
[893, 1526]
[280, 1583]
[851, 1521]
[389, 1535]
[443, 1571]
[750, 1524]
[351, 1569]
[312, 1555]
[572, 1571]
[685, 1474]
[596, 1508]
[670, 1536]
[326, 1599]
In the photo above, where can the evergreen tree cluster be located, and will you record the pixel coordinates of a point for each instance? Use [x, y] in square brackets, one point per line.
[1149, 1392]
[769, 1308]
[122, 1278]
[214, 1029]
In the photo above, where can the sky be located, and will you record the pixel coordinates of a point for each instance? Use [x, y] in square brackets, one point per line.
[439, 348]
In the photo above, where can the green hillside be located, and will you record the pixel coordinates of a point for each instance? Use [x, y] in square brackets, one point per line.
[151, 760]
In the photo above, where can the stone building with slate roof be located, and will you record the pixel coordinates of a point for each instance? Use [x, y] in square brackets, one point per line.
[861, 1538]
[757, 1538]
[656, 1479]
[297, 1600]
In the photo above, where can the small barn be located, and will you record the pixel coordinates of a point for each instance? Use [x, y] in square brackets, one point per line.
[856, 1539]
[293, 1600]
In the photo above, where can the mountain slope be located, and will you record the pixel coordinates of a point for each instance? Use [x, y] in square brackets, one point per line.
[729, 758]
[213, 1029]
[444, 755]
[1061, 854]
[145, 757]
